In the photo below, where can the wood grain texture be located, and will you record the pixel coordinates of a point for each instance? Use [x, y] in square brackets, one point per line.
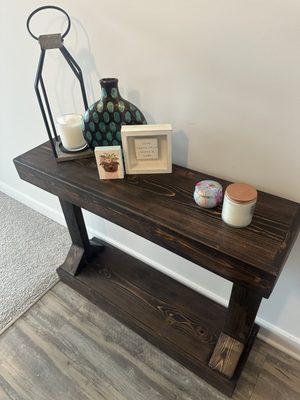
[226, 355]
[65, 347]
[82, 249]
[242, 309]
[161, 208]
[76, 226]
[239, 322]
[179, 321]
[192, 329]
[279, 377]
[75, 260]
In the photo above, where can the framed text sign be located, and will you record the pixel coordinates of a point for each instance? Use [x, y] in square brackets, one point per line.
[147, 148]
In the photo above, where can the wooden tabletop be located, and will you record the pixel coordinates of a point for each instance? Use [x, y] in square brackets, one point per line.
[161, 208]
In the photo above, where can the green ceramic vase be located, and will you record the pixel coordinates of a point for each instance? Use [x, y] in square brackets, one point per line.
[103, 120]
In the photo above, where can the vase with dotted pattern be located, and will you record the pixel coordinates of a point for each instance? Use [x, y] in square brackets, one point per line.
[104, 119]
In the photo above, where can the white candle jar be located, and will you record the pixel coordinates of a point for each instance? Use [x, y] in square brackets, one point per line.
[239, 204]
[70, 131]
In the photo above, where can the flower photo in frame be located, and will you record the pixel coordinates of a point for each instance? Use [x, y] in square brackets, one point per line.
[109, 162]
[147, 148]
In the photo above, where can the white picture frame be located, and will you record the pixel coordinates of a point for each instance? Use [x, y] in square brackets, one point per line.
[147, 148]
[109, 162]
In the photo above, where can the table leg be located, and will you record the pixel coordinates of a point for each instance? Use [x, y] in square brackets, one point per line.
[82, 249]
[241, 313]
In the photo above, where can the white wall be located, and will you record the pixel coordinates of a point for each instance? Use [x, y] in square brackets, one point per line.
[225, 73]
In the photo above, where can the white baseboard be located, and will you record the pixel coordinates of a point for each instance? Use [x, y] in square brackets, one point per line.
[269, 333]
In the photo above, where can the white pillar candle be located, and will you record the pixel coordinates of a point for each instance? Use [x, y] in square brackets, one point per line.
[70, 131]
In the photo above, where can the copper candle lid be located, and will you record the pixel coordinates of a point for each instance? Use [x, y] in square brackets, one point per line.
[241, 192]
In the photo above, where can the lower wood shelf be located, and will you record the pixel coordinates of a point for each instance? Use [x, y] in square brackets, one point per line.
[176, 319]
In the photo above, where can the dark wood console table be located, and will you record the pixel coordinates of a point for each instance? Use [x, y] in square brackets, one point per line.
[205, 337]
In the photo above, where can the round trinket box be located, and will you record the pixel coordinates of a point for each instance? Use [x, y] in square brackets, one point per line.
[208, 194]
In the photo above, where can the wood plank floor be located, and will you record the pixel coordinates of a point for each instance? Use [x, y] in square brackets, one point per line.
[65, 348]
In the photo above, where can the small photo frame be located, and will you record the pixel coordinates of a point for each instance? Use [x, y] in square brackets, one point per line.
[147, 148]
[109, 162]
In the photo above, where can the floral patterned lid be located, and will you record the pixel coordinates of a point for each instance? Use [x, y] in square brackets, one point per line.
[208, 189]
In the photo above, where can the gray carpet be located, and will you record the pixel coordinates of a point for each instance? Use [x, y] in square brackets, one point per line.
[31, 248]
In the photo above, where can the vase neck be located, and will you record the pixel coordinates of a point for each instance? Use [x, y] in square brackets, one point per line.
[109, 88]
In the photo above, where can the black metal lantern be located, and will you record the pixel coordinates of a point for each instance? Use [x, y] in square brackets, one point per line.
[55, 41]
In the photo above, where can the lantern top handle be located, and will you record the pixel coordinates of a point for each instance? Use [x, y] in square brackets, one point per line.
[45, 8]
